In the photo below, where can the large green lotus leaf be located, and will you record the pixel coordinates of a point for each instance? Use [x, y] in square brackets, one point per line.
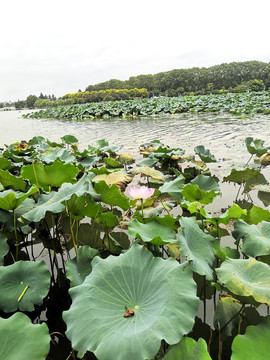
[247, 277]
[148, 162]
[79, 207]
[4, 248]
[107, 220]
[234, 212]
[226, 314]
[196, 246]
[5, 163]
[254, 344]
[257, 147]
[10, 199]
[188, 349]
[37, 140]
[101, 171]
[111, 195]
[204, 154]
[256, 215]
[168, 221]
[149, 172]
[241, 176]
[161, 293]
[89, 161]
[174, 188]
[23, 285]
[8, 180]
[152, 232]
[54, 201]
[255, 242]
[90, 235]
[50, 175]
[51, 154]
[111, 163]
[70, 139]
[193, 193]
[206, 183]
[20, 339]
[79, 267]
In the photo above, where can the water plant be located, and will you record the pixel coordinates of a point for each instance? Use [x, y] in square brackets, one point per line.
[94, 268]
[238, 104]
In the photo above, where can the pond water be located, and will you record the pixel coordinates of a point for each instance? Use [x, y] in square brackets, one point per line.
[223, 134]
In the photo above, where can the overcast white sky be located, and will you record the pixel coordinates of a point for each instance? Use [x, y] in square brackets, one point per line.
[60, 46]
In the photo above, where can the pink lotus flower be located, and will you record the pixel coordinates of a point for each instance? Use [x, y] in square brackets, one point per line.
[141, 193]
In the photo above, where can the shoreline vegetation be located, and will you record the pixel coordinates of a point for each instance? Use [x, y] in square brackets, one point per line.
[246, 103]
[232, 77]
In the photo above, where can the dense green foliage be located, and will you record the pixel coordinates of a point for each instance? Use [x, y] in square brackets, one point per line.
[243, 103]
[93, 96]
[198, 80]
[126, 268]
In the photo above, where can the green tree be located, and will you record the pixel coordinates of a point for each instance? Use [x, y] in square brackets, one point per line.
[256, 85]
[20, 104]
[30, 101]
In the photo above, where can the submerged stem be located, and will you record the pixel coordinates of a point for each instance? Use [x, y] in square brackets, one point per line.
[16, 235]
[72, 235]
[142, 209]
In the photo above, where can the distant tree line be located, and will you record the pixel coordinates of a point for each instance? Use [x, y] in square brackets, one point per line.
[233, 77]
[227, 77]
[31, 99]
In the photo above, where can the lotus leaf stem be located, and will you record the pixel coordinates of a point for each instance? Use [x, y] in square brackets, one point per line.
[72, 235]
[35, 174]
[16, 235]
